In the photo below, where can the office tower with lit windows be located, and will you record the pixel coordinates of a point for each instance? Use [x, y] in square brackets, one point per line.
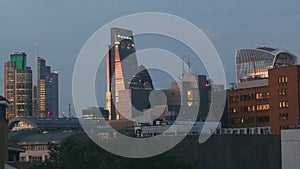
[46, 90]
[123, 71]
[18, 86]
[268, 92]
[42, 72]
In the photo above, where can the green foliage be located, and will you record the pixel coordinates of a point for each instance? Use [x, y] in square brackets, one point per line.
[81, 153]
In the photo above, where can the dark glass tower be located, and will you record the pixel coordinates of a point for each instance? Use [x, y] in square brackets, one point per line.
[52, 95]
[123, 71]
[42, 72]
[47, 90]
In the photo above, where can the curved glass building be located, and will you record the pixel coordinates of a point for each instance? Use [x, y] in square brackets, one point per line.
[253, 64]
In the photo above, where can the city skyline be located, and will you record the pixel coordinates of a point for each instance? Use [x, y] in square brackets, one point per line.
[150, 84]
[29, 96]
[50, 22]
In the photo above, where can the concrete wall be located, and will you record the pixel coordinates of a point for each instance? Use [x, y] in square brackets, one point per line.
[290, 147]
[233, 151]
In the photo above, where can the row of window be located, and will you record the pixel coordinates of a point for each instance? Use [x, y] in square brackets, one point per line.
[283, 104]
[261, 107]
[251, 108]
[282, 92]
[248, 97]
[259, 119]
[282, 79]
[250, 120]
[36, 148]
[258, 96]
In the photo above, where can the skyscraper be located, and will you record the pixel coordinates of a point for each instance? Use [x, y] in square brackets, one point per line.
[18, 86]
[52, 94]
[123, 71]
[42, 72]
[47, 90]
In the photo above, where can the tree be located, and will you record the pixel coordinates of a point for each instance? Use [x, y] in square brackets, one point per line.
[79, 152]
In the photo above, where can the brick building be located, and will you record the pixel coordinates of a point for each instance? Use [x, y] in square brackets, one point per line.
[268, 95]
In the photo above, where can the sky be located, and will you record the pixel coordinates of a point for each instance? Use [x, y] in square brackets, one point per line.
[62, 28]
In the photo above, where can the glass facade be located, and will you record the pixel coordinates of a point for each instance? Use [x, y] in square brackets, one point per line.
[52, 95]
[47, 90]
[20, 60]
[123, 71]
[252, 64]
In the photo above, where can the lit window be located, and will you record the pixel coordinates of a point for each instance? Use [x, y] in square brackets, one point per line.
[190, 95]
[283, 104]
[283, 79]
[260, 96]
[234, 109]
[263, 107]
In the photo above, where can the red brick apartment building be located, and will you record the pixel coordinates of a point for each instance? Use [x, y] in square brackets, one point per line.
[265, 96]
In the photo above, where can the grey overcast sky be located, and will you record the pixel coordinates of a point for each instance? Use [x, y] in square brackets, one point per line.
[62, 27]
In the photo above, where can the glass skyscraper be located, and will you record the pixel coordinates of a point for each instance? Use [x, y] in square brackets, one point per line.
[47, 90]
[123, 71]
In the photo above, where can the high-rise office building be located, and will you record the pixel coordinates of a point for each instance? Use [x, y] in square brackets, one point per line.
[46, 90]
[18, 86]
[123, 71]
[52, 94]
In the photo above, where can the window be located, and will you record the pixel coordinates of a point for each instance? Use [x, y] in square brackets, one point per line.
[263, 107]
[234, 99]
[284, 127]
[283, 116]
[282, 79]
[260, 96]
[190, 104]
[237, 120]
[248, 108]
[283, 104]
[250, 120]
[190, 95]
[263, 119]
[282, 92]
[234, 109]
[246, 97]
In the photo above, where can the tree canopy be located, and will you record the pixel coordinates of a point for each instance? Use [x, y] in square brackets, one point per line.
[79, 152]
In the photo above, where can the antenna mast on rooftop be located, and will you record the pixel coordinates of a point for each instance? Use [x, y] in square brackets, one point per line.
[36, 48]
